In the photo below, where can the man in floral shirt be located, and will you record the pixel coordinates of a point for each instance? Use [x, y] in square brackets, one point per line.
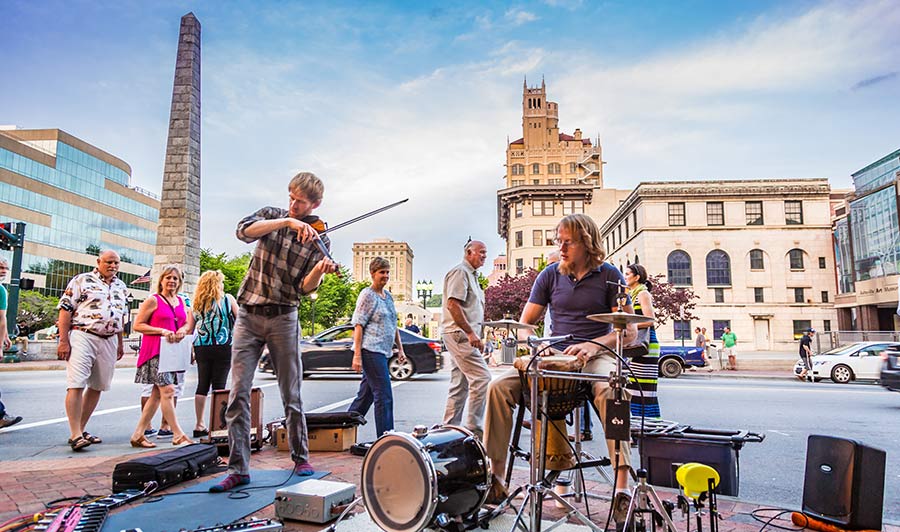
[91, 318]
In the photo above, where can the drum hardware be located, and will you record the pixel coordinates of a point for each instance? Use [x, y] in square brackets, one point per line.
[510, 343]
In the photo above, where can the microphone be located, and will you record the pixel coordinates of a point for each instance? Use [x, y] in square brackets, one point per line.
[620, 285]
[534, 340]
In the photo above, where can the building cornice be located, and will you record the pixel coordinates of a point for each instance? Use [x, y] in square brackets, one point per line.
[523, 193]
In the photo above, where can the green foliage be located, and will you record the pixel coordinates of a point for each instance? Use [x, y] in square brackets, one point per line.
[482, 280]
[93, 249]
[234, 268]
[334, 304]
[36, 311]
[436, 300]
[507, 298]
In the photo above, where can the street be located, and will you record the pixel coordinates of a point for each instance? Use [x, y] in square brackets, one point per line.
[770, 472]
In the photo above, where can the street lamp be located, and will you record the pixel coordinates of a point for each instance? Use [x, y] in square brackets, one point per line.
[313, 296]
[424, 289]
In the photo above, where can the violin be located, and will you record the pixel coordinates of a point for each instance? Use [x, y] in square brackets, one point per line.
[315, 222]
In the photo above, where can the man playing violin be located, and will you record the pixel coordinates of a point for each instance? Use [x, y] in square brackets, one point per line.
[571, 289]
[288, 262]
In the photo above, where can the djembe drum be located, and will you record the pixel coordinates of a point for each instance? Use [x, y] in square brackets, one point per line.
[563, 396]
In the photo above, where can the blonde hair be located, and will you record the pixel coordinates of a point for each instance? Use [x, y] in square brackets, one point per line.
[310, 185]
[585, 231]
[209, 291]
[165, 271]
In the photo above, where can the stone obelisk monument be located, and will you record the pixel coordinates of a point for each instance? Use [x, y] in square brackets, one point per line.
[178, 236]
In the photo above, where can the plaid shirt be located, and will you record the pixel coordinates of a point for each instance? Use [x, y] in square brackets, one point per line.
[280, 262]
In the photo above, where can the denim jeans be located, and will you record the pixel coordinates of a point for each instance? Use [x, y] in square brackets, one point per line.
[375, 387]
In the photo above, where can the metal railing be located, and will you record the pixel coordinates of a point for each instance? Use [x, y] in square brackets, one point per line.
[829, 340]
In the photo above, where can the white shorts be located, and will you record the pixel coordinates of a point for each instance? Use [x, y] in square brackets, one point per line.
[147, 389]
[92, 361]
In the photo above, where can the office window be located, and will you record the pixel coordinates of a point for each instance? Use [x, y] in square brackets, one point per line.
[535, 168]
[796, 259]
[537, 238]
[715, 213]
[718, 268]
[793, 212]
[519, 209]
[520, 266]
[518, 169]
[756, 260]
[824, 296]
[554, 169]
[634, 220]
[556, 181]
[573, 168]
[676, 214]
[754, 213]
[822, 265]
[798, 296]
[719, 328]
[826, 325]
[518, 182]
[682, 329]
[619, 231]
[542, 208]
[572, 207]
[679, 268]
[627, 231]
[535, 181]
[637, 260]
[758, 295]
[719, 294]
[800, 327]
[518, 239]
[549, 237]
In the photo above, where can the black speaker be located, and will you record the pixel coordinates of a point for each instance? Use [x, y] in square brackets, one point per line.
[844, 483]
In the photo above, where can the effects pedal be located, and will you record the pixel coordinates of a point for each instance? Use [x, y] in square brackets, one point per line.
[253, 525]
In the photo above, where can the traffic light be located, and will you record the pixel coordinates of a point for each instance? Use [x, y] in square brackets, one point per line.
[7, 238]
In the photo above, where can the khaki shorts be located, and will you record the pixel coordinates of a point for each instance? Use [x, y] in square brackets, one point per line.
[92, 361]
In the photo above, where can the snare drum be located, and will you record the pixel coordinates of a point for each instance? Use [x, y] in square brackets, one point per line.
[563, 397]
[410, 481]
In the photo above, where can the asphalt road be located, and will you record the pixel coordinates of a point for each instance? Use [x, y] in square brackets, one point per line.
[787, 412]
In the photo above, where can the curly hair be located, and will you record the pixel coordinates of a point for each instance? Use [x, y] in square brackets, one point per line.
[165, 270]
[585, 231]
[209, 291]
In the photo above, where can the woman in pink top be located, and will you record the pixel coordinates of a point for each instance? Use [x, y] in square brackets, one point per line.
[161, 315]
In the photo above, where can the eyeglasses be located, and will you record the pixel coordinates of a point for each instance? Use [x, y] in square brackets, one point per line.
[564, 243]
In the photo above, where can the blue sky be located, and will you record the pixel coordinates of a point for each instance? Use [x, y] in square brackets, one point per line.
[414, 99]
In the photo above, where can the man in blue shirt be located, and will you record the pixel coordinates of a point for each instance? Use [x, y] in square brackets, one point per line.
[579, 285]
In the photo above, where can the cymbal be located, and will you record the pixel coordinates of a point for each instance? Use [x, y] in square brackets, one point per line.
[509, 324]
[620, 318]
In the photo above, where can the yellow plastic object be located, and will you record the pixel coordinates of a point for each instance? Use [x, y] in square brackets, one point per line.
[694, 478]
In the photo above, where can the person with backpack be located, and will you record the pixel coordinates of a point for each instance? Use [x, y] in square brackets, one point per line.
[214, 314]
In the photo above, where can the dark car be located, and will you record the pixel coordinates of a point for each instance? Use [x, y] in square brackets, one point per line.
[674, 359]
[890, 369]
[331, 351]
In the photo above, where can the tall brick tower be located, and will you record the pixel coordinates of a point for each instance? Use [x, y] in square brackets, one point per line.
[178, 236]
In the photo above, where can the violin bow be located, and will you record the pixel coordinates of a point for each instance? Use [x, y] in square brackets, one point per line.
[363, 216]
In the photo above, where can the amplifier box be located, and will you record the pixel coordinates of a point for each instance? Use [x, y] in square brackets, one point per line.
[331, 439]
[218, 427]
[313, 500]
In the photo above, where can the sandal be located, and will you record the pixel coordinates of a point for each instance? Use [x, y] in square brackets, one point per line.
[143, 443]
[201, 433]
[91, 438]
[78, 443]
[183, 439]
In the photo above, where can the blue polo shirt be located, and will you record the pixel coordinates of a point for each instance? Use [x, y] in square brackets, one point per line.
[570, 301]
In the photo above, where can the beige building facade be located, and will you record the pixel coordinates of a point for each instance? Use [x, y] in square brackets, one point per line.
[399, 254]
[758, 254]
[549, 174]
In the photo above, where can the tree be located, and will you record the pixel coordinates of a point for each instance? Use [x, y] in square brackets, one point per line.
[436, 300]
[36, 312]
[335, 301]
[234, 268]
[668, 301]
[507, 298]
[93, 249]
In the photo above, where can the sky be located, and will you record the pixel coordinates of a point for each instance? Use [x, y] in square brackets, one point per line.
[393, 100]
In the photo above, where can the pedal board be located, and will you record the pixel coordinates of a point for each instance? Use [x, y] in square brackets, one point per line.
[85, 517]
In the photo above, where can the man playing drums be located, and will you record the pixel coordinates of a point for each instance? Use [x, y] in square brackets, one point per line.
[575, 287]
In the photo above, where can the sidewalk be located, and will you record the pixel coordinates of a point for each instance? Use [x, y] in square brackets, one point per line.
[28, 485]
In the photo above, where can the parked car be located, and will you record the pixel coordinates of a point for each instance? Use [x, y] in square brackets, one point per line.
[331, 351]
[857, 361]
[890, 370]
[674, 359]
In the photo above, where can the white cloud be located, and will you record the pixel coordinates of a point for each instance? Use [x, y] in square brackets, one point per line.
[518, 16]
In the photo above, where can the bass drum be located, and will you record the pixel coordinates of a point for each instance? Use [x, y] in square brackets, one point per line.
[411, 481]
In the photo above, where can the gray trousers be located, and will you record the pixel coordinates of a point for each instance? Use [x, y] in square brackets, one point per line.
[469, 379]
[280, 334]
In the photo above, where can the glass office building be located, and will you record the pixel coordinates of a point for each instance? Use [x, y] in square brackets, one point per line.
[867, 249]
[76, 200]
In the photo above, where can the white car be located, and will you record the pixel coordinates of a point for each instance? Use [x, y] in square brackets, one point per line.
[861, 360]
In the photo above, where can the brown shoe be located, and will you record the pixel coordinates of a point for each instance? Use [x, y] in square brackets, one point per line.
[497, 493]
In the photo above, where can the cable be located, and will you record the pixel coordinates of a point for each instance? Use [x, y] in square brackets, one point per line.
[241, 493]
[768, 522]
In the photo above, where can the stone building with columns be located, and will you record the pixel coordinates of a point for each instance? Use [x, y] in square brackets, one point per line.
[758, 253]
[399, 254]
[549, 174]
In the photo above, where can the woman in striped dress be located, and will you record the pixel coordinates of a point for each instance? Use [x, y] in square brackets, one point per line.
[644, 369]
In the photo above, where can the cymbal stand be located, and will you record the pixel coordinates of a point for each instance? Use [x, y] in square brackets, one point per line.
[583, 457]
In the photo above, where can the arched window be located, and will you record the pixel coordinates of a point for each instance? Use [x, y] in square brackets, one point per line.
[718, 268]
[796, 259]
[518, 169]
[637, 260]
[679, 268]
[554, 168]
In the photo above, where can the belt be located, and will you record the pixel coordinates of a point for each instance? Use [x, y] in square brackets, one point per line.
[86, 330]
[269, 310]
